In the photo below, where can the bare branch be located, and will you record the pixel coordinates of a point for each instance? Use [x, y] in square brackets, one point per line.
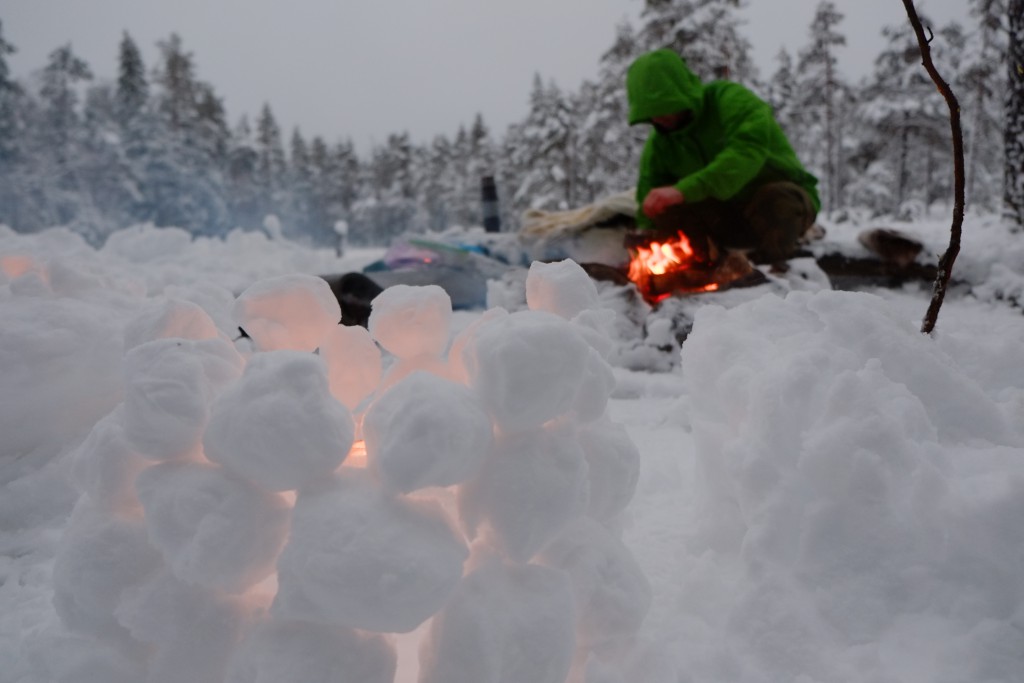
[946, 262]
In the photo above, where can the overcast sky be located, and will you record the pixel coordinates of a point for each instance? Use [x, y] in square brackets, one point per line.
[366, 68]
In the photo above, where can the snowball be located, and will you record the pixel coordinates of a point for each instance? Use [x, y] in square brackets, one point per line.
[612, 595]
[595, 389]
[426, 431]
[456, 365]
[195, 630]
[97, 559]
[353, 363]
[404, 367]
[358, 558]
[169, 318]
[296, 652]
[504, 624]
[213, 530]
[533, 485]
[278, 425]
[527, 368]
[170, 384]
[562, 288]
[613, 465]
[288, 312]
[105, 466]
[411, 321]
[597, 327]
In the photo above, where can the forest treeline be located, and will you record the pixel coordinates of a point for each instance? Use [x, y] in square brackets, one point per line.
[156, 145]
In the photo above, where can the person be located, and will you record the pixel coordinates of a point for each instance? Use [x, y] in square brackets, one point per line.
[716, 166]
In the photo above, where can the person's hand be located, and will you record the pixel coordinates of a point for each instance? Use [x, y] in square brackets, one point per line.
[661, 198]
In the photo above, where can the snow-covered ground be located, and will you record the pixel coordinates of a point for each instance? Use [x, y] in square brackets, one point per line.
[823, 493]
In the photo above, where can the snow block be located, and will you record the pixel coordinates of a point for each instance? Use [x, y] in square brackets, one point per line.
[504, 624]
[279, 426]
[98, 558]
[195, 630]
[361, 559]
[288, 312]
[169, 387]
[105, 466]
[169, 318]
[412, 321]
[527, 368]
[612, 594]
[296, 652]
[214, 530]
[353, 363]
[562, 288]
[426, 431]
[530, 488]
[613, 466]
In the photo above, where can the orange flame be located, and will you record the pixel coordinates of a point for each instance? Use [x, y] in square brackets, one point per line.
[659, 258]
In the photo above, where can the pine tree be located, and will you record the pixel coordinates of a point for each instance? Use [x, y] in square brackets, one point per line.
[132, 86]
[271, 164]
[11, 138]
[1013, 194]
[906, 137]
[705, 32]
[543, 151]
[60, 78]
[243, 193]
[9, 94]
[819, 84]
[982, 87]
[608, 149]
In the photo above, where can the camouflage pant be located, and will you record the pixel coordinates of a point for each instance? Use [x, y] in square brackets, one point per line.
[769, 222]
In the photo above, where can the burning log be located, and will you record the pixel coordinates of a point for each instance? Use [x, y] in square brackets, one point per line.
[663, 269]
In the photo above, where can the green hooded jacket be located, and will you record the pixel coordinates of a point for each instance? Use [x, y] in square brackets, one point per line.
[732, 141]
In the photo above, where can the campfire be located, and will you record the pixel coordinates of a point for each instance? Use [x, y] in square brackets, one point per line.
[662, 269]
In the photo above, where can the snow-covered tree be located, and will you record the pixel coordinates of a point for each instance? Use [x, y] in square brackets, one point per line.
[1014, 174]
[271, 164]
[982, 85]
[244, 197]
[818, 100]
[904, 129]
[132, 86]
[60, 99]
[705, 32]
[543, 151]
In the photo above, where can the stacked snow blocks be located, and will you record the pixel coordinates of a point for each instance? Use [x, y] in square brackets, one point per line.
[229, 531]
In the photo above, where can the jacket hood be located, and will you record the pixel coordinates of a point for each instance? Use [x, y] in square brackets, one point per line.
[658, 84]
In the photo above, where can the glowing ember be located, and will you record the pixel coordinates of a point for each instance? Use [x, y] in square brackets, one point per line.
[663, 268]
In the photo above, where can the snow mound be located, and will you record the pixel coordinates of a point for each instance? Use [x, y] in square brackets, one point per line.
[852, 486]
[169, 318]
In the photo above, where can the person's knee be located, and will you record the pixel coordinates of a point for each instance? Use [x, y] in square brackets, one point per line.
[780, 213]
